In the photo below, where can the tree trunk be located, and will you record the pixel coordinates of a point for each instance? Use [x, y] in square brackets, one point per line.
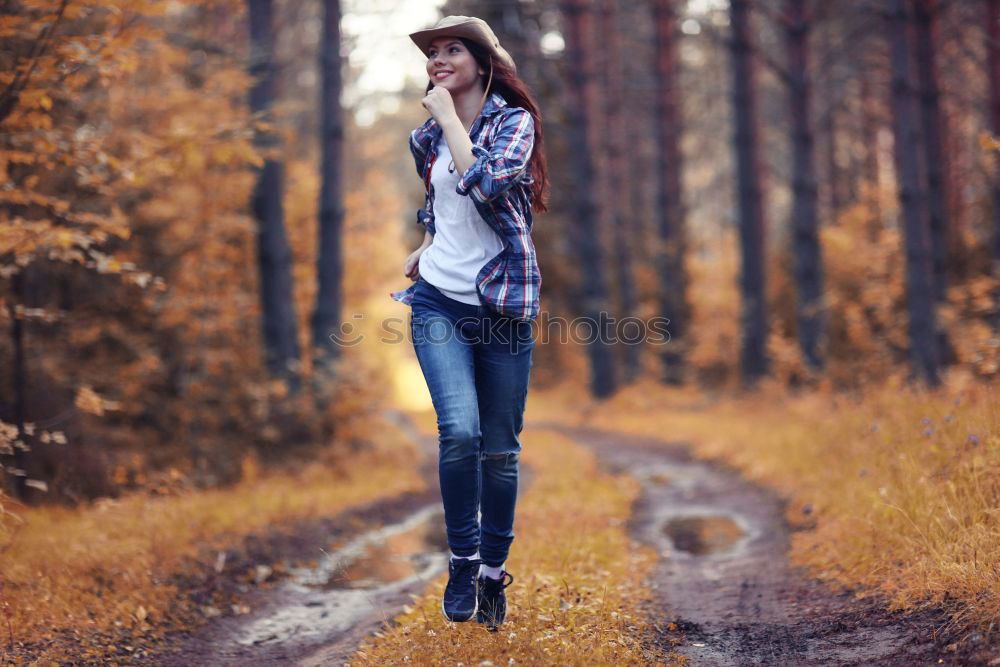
[935, 131]
[911, 173]
[507, 19]
[19, 378]
[827, 124]
[326, 319]
[616, 185]
[869, 134]
[806, 251]
[274, 256]
[993, 45]
[754, 360]
[669, 211]
[836, 204]
[580, 104]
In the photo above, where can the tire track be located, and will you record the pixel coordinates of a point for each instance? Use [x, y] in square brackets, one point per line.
[387, 554]
[725, 591]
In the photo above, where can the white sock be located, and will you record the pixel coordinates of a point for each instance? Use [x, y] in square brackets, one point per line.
[475, 555]
[491, 572]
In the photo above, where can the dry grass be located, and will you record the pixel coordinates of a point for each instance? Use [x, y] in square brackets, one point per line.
[902, 486]
[94, 571]
[578, 579]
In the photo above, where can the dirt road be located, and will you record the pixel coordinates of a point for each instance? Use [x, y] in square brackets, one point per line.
[725, 593]
[384, 555]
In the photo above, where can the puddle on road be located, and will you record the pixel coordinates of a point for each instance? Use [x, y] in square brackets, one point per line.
[704, 535]
[356, 579]
[686, 515]
[397, 557]
[724, 576]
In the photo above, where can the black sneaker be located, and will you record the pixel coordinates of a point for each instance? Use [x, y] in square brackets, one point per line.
[492, 600]
[461, 593]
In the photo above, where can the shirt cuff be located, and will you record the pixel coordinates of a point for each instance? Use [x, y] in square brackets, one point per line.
[474, 173]
[425, 218]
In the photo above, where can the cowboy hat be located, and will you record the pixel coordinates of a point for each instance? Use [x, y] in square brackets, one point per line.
[469, 27]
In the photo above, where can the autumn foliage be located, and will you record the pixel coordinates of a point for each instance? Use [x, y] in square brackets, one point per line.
[126, 251]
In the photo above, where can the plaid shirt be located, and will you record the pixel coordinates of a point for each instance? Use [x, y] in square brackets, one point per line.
[499, 184]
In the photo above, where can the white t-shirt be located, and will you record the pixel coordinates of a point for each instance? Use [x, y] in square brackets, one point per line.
[463, 241]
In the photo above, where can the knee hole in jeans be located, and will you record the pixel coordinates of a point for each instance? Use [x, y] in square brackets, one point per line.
[506, 457]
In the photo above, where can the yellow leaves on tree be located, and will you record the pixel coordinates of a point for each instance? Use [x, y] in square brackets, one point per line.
[988, 142]
[125, 151]
[88, 400]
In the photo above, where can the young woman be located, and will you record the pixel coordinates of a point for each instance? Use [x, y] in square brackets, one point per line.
[475, 294]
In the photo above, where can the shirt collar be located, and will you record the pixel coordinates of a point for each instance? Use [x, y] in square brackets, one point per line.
[493, 104]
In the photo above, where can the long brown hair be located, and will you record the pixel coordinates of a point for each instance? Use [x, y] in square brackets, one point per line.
[506, 82]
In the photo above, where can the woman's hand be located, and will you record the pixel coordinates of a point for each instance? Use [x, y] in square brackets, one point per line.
[440, 105]
[411, 267]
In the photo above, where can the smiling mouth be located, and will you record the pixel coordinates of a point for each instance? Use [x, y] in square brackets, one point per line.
[441, 75]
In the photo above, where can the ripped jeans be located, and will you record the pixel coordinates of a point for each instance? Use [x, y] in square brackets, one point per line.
[477, 365]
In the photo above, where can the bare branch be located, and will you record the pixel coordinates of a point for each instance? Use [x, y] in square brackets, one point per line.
[781, 18]
[774, 66]
[725, 41]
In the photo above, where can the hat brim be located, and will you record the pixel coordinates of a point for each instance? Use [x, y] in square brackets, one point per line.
[467, 29]
[423, 38]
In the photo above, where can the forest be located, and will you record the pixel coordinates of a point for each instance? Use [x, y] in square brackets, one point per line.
[219, 446]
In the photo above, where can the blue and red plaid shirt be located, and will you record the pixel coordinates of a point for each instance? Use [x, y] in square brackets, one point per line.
[499, 183]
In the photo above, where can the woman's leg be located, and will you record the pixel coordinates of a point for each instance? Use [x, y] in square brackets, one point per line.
[503, 363]
[445, 355]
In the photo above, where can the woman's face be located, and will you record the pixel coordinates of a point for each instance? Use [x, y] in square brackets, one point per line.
[451, 65]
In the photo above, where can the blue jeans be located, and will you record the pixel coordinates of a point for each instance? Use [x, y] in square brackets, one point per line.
[476, 364]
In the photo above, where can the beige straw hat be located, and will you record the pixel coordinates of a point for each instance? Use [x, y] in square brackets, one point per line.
[469, 27]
